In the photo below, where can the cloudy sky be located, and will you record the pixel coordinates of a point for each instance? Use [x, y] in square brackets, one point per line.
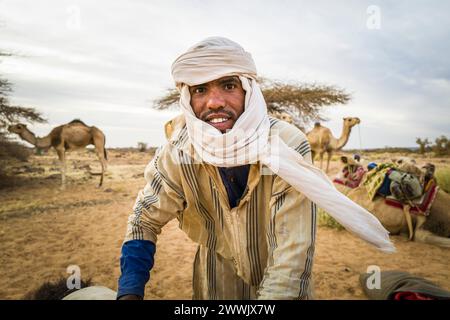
[106, 61]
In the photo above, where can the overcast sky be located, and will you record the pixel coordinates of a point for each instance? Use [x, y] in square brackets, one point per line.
[106, 61]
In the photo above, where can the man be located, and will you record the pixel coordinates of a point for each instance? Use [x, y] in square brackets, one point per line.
[232, 177]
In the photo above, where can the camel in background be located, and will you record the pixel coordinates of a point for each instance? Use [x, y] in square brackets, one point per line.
[282, 116]
[71, 136]
[322, 140]
[433, 229]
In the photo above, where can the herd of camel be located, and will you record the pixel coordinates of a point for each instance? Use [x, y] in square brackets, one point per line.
[76, 135]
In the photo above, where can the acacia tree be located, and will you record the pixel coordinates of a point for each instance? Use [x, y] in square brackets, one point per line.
[422, 145]
[10, 114]
[142, 146]
[442, 146]
[304, 102]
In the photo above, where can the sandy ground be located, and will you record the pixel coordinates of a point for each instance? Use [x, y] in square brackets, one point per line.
[44, 230]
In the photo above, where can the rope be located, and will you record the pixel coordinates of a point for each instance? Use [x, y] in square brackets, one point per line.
[360, 143]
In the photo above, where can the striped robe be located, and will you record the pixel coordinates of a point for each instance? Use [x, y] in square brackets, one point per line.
[261, 249]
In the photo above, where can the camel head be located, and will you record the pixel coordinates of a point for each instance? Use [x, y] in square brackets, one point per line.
[18, 128]
[283, 116]
[351, 122]
[286, 117]
[403, 160]
[409, 165]
[350, 161]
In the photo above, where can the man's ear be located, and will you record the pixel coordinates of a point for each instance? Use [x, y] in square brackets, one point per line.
[168, 129]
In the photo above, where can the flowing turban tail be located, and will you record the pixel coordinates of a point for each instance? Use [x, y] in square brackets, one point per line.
[249, 140]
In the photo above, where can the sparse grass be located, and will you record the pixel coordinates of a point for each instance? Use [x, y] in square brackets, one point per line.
[443, 178]
[325, 220]
[334, 157]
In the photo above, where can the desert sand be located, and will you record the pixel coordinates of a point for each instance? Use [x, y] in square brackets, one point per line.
[44, 230]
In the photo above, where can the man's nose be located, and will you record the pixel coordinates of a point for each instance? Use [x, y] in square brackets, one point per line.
[215, 100]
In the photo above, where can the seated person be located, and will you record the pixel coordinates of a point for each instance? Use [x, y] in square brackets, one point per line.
[352, 173]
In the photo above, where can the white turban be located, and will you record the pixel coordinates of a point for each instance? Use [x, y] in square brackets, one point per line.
[211, 59]
[249, 140]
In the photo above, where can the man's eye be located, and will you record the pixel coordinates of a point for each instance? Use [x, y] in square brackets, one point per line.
[199, 90]
[230, 86]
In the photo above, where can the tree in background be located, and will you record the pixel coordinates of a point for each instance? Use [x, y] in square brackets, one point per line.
[10, 114]
[142, 146]
[442, 146]
[423, 144]
[303, 102]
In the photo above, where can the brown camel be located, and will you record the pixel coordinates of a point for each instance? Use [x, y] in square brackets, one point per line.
[71, 136]
[282, 116]
[322, 140]
[433, 229]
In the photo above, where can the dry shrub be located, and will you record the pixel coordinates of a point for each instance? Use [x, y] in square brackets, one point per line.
[325, 220]
[443, 179]
[10, 149]
[142, 146]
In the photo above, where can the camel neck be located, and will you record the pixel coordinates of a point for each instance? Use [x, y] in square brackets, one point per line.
[30, 137]
[343, 139]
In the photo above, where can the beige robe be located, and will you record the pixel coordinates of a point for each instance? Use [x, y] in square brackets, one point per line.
[261, 249]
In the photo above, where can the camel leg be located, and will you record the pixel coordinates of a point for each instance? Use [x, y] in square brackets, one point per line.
[328, 161]
[103, 164]
[425, 236]
[99, 147]
[313, 155]
[62, 161]
[321, 158]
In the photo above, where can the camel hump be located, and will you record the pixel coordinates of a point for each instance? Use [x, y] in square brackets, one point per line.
[316, 124]
[96, 130]
[78, 121]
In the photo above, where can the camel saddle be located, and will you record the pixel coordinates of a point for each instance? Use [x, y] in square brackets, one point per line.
[419, 206]
[400, 189]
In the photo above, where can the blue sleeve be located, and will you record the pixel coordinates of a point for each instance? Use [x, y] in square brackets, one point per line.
[136, 261]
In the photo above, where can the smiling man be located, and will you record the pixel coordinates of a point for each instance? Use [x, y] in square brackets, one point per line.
[239, 183]
[219, 103]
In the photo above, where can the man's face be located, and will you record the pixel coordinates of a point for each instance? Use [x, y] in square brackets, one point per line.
[219, 103]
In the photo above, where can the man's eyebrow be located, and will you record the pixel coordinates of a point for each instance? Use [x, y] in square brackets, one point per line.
[197, 86]
[229, 80]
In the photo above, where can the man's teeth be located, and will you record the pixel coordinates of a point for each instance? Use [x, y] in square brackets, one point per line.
[218, 120]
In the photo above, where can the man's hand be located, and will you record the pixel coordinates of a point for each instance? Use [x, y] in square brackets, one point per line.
[130, 297]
